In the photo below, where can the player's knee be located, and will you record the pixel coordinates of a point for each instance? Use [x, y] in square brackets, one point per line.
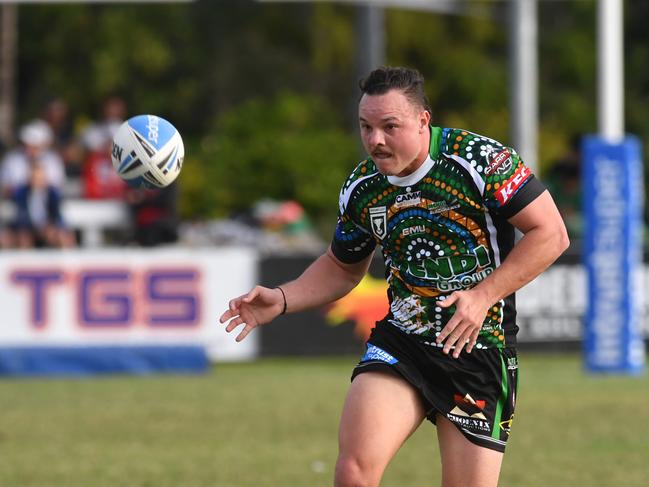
[350, 472]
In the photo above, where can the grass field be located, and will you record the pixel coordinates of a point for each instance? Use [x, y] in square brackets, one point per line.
[274, 422]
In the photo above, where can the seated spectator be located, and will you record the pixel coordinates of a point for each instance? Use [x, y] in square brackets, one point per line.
[56, 113]
[99, 178]
[154, 215]
[35, 138]
[38, 221]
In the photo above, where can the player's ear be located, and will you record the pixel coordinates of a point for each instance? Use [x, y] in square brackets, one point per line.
[424, 119]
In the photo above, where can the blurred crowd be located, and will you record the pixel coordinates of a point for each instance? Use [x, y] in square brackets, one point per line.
[56, 160]
[54, 163]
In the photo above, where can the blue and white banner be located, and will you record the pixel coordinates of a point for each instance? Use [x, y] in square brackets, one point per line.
[613, 201]
[122, 310]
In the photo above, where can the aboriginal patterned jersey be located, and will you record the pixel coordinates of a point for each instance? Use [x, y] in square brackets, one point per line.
[442, 228]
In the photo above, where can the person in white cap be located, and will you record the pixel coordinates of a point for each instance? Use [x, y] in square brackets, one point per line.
[36, 139]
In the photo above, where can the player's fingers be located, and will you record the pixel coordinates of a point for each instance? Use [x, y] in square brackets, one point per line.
[244, 333]
[227, 315]
[445, 303]
[234, 323]
[462, 342]
[448, 329]
[251, 295]
[235, 303]
[473, 340]
[453, 338]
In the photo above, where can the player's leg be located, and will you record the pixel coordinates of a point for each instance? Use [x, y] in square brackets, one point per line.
[465, 463]
[381, 411]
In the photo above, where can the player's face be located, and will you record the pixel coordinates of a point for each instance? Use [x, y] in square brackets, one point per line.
[394, 132]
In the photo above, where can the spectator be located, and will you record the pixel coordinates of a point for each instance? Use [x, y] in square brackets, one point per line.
[99, 179]
[38, 221]
[154, 215]
[98, 176]
[36, 138]
[56, 113]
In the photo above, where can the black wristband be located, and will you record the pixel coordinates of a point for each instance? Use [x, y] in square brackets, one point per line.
[284, 296]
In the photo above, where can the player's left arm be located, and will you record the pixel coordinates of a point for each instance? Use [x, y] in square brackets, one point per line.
[544, 239]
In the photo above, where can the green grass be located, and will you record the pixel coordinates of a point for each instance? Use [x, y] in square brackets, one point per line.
[274, 423]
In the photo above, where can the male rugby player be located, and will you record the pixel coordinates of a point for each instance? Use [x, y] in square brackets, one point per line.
[443, 205]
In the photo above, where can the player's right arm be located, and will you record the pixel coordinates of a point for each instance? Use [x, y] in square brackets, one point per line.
[324, 281]
[331, 276]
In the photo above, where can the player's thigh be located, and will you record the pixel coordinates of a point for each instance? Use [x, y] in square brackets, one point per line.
[465, 463]
[381, 411]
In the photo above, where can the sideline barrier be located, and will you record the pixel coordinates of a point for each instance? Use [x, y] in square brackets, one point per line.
[551, 311]
[120, 310]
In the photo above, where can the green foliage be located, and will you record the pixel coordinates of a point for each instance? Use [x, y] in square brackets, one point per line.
[286, 147]
[194, 63]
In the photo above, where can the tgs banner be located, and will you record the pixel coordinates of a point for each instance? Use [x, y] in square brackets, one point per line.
[613, 198]
[126, 310]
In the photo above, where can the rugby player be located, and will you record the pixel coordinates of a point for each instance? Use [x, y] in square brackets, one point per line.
[443, 205]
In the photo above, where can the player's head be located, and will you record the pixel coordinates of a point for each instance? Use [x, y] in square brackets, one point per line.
[394, 117]
[406, 80]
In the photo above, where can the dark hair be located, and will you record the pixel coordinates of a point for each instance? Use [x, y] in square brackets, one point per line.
[409, 81]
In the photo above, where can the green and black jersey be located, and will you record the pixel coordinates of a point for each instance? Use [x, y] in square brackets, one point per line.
[442, 228]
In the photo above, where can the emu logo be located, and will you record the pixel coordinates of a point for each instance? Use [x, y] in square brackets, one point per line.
[379, 221]
[117, 152]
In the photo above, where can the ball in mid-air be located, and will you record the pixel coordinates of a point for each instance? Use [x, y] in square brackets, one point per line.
[148, 152]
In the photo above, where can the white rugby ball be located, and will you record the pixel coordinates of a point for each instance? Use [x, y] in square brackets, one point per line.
[148, 152]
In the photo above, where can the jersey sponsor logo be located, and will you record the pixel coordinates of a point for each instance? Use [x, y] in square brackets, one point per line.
[509, 187]
[454, 272]
[408, 199]
[379, 221]
[500, 163]
[376, 353]
[412, 230]
[442, 206]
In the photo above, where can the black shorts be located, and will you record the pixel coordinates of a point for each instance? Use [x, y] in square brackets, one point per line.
[476, 391]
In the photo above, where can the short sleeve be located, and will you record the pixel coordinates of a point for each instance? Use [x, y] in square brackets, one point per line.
[509, 184]
[351, 242]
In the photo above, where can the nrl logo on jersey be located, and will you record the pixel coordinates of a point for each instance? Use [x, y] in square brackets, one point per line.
[379, 221]
[408, 199]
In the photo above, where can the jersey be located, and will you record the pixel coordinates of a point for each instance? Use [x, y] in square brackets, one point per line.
[442, 228]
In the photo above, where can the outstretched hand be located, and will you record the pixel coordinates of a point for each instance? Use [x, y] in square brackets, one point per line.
[464, 326]
[253, 309]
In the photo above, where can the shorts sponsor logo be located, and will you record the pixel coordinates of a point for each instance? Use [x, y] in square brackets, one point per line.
[512, 363]
[379, 221]
[501, 163]
[375, 353]
[506, 426]
[468, 413]
[509, 187]
[408, 199]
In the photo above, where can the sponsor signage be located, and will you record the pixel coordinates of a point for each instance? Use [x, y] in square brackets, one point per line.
[80, 303]
[612, 189]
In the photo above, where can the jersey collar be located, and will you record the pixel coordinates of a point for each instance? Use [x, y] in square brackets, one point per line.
[433, 152]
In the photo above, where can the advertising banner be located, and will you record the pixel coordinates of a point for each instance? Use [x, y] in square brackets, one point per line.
[131, 310]
[613, 197]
